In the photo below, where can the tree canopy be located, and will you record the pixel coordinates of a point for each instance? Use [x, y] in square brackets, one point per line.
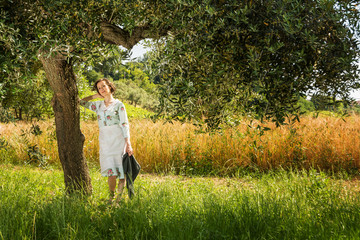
[219, 57]
[258, 57]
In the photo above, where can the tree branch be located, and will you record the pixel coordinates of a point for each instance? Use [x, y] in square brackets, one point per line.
[115, 35]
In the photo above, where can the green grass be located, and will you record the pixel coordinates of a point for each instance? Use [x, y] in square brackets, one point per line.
[277, 205]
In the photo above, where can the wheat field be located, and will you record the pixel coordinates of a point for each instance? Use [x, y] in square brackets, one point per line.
[325, 143]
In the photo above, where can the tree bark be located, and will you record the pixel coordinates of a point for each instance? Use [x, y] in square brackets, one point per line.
[60, 74]
[116, 35]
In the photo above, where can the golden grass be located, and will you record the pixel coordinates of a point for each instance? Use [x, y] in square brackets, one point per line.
[327, 143]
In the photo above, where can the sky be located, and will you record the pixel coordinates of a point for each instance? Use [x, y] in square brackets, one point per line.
[138, 50]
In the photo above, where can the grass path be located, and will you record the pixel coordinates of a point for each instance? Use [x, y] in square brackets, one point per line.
[281, 205]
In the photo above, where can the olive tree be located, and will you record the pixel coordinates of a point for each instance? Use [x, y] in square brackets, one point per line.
[59, 33]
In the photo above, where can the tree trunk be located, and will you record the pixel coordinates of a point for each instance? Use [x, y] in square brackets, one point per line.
[60, 74]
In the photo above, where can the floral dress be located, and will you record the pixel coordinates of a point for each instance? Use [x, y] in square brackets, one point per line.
[113, 129]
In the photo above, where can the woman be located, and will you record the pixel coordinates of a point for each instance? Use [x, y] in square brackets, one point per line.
[114, 136]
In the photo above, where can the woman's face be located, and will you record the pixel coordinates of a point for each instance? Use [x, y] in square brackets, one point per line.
[103, 88]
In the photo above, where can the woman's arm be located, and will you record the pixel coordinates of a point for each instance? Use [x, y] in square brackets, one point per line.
[90, 105]
[124, 125]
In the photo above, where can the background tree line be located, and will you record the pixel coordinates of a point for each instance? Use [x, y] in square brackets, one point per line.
[30, 98]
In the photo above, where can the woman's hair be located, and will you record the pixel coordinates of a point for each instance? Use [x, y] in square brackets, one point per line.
[110, 84]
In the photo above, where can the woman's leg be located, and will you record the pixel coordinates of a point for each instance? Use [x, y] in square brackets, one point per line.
[120, 189]
[112, 186]
[121, 185]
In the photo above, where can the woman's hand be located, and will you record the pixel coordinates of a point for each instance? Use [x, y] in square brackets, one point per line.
[129, 149]
[91, 97]
[97, 96]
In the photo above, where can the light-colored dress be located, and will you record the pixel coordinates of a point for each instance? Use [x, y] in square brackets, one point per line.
[113, 129]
